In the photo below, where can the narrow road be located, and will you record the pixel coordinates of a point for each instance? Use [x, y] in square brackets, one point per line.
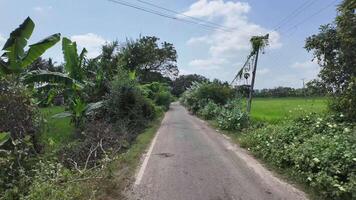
[188, 160]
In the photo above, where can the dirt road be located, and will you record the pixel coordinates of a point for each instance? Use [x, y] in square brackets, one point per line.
[188, 160]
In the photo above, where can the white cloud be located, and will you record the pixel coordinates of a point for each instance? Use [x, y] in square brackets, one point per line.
[42, 8]
[305, 65]
[232, 15]
[2, 41]
[211, 63]
[307, 69]
[263, 71]
[91, 42]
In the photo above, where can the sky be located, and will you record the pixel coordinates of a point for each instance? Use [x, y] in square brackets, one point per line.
[214, 53]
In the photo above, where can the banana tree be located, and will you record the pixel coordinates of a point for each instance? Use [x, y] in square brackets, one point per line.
[15, 60]
[74, 66]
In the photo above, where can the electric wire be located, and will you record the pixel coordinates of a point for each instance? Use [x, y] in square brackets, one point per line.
[127, 4]
[184, 15]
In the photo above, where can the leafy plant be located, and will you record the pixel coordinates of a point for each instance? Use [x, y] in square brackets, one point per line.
[210, 110]
[159, 93]
[4, 137]
[232, 117]
[199, 94]
[16, 59]
[127, 107]
[320, 151]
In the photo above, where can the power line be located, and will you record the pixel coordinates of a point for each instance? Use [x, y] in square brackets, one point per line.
[181, 14]
[151, 11]
[312, 15]
[294, 13]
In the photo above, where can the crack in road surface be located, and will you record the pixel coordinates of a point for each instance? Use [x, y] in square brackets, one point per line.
[203, 165]
[165, 155]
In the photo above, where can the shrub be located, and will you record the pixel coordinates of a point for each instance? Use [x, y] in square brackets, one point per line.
[163, 99]
[200, 93]
[232, 117]
[346, 102]
[18, 115]
[319, 151]
[126, 103]
[210, 111]
[99, 139]
[159, 93]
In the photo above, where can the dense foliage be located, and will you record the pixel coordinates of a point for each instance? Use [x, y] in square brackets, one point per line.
[159, 93]
[334, 48]
[145, 57]
[127, 108]
[184, 82]
[215, 101]
[318, 150]
[107, 105]
[200, 93]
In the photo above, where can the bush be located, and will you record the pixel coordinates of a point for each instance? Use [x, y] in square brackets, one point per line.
[346, 102]
[200, 93]
[209, 111]
[231, 116]
[18, 115]
[126, 104]
[159, 93]
[163, 99]
[319, 151]
[98, 140]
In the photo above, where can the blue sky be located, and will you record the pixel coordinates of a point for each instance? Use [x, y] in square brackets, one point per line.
[212, 53]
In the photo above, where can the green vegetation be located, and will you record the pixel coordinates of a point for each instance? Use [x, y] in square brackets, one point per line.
[316, 150]
[56, 132]
[278, 109]
[311, 140]
[74, 150]
[216, 101]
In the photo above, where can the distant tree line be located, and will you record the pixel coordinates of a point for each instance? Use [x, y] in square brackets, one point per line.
[313, 88]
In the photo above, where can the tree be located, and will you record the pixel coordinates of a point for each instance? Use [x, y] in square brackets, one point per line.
[183, 82]
[334, 48]
[317, 88]
[145, 55]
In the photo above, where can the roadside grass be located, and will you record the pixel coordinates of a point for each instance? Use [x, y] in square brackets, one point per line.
[121, 172]
[273, 110]
[55, 132]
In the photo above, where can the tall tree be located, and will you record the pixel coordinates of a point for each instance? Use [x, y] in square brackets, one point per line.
[334, 48]
[145, 55]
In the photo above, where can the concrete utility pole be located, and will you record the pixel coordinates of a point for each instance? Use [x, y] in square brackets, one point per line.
[249, 101]
[258, 42]
[303, 79]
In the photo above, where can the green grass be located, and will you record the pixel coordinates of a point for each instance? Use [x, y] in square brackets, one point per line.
[56, 131]
[273, 110]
